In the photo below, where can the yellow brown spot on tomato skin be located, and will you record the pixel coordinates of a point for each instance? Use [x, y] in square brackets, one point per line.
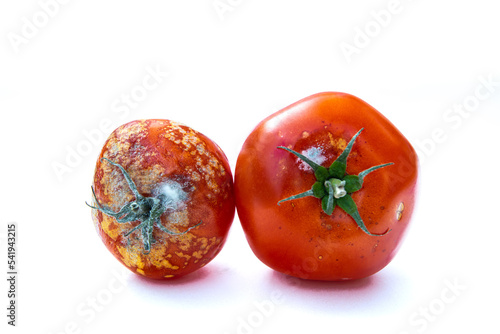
[166, 264]
[203, 246]
[198, 255]
[338, 143]
[109, 227]
[185, 241]
[182, 255]
[131, 256]
[195, 176]
[169, 276]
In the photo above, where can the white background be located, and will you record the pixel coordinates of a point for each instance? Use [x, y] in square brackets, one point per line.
[67, 66]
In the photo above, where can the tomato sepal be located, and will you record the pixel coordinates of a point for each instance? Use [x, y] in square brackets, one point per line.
[347, 204]
[304, 194]
[338, 168]
[328, 202]
[146, 210]
[318, 190]
[333, 186]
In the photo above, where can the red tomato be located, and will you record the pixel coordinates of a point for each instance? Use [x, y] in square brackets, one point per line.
[163, 198]
[337, 217]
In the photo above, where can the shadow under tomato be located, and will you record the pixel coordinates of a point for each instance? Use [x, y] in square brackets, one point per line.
[200, 274]
[316, 285]
[383, 292]
[207, 286]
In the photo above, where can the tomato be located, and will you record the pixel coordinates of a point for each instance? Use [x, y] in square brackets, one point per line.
[163, 198]
[325, 188]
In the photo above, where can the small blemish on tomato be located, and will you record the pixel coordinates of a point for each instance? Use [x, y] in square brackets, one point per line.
[327, 226]
[315, 154]
[201, 149]
[320, 257]
[195, 176]
[399, 211]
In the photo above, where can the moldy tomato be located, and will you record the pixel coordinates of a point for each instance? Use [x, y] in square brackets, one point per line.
[320, 199]
[163, 198]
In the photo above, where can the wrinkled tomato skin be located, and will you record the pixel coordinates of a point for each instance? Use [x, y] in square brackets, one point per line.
[296, 237]
[156, 153]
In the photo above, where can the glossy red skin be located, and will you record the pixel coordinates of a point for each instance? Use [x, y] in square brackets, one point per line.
[152, 152]
[297, 238]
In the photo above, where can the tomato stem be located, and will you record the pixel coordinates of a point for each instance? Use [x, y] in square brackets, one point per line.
[337, 186]
[146, 210]
[333, 185]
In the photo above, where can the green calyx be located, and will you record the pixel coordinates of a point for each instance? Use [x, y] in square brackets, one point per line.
[333, 185]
